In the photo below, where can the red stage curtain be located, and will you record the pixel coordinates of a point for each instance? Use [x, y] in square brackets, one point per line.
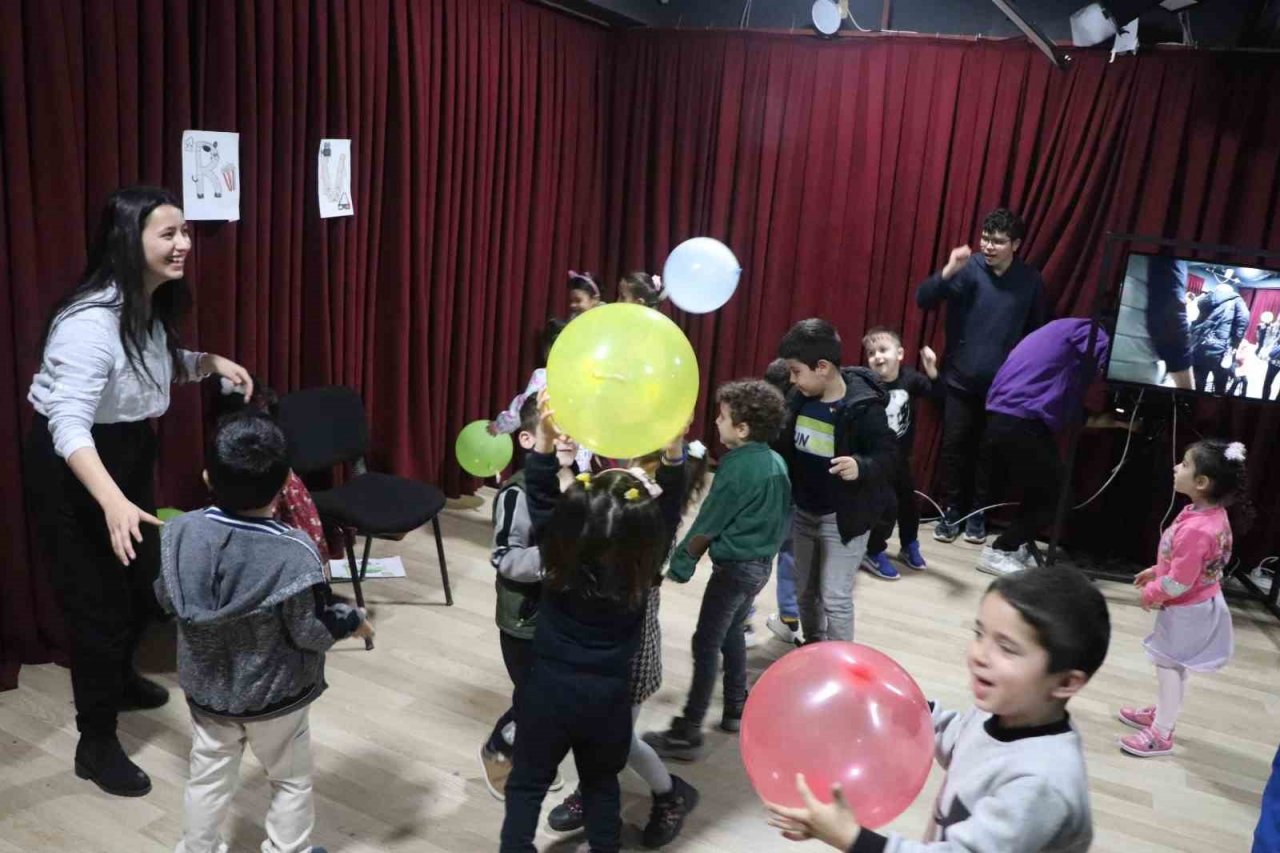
[498, 144]
[1263, 301]
[842, 172]
[477, 180]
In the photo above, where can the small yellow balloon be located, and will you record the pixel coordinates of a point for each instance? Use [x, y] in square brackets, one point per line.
[622, 380]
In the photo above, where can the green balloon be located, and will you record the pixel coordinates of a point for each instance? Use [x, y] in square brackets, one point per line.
[481, 454]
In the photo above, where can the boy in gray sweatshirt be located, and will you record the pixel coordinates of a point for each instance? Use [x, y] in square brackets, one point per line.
[1016, 779]
[255, 617]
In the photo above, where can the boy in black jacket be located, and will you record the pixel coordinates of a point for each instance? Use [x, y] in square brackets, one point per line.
[839, 451]
[994, 299]
[905, 386]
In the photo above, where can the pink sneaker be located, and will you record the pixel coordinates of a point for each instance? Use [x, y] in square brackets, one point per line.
[1147, 743]
[1139, 718]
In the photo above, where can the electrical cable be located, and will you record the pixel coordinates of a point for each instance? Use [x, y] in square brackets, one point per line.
[1133, 418]
[1123, 454]
[854, 20]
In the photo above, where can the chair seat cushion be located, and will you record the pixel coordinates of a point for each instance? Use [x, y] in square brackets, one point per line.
[380, 504]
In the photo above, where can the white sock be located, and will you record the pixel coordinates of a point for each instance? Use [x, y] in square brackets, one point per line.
[1173, 689]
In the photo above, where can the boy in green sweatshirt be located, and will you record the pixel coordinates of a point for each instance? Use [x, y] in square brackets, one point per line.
[742, 523]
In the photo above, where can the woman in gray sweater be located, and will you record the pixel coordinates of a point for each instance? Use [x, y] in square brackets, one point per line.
[109, 353]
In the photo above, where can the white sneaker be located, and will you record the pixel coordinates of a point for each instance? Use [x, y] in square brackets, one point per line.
[1261, 578]
[781, 630]
[999, 563]
[749, 636]
[1024, 556]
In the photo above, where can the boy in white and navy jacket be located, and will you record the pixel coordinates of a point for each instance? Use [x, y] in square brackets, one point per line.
[1016, 778]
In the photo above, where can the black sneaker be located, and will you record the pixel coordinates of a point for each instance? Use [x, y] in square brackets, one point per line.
[682, 742]
[948, 527]
[975, 529]
[101, 760]
[141, 694]
[666, 818]
[567, 817]
[731, 721]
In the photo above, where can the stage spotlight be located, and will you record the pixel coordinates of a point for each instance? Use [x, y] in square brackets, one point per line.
[1097, 22]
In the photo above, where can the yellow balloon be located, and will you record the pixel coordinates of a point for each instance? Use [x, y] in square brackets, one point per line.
[622, 380]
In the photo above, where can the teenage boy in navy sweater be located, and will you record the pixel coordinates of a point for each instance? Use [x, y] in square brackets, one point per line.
[993, 299]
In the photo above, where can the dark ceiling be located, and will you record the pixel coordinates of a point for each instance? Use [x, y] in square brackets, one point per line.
[1214, 23]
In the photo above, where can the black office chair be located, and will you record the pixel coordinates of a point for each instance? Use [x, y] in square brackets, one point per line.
[326, 427]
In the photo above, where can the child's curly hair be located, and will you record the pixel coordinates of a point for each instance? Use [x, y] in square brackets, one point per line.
[757, 404]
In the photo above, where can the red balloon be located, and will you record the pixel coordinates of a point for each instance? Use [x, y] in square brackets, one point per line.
[839, 712]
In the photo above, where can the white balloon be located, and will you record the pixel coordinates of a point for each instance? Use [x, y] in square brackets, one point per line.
[700, 275]
[826, 16]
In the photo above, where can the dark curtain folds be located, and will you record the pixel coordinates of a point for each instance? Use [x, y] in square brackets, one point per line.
[477, 179]
[497, 144]
[843, 172]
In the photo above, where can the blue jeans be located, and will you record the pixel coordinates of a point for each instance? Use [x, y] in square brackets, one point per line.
[1266, 838]
[730, 591]
[787, 575]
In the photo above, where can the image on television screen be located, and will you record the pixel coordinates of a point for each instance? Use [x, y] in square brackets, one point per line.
[1199, 326]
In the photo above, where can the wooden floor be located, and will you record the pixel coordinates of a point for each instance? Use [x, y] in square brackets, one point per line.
[396, 736]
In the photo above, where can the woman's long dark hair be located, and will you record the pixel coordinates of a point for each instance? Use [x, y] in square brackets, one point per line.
[116, 256]
[606, 539]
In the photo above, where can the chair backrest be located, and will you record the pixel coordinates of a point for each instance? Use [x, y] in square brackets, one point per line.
[325, 427]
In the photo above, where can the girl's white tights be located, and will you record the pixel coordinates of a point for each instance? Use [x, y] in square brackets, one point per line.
[1172, 683]
[646, 762]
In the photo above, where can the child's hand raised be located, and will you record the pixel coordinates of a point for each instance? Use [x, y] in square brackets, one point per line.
[834, 824]
[545, 438]
[675, 448]
[929, 361]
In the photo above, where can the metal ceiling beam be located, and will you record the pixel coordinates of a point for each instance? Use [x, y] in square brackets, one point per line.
[600, 14]
[1039, 39]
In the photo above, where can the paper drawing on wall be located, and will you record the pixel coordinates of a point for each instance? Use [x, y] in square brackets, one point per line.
[211, 175]
[333, 167]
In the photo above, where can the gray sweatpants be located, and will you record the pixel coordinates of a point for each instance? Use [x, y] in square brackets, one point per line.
[825, 571]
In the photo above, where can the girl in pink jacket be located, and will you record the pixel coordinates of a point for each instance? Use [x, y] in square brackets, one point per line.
[1193, 626]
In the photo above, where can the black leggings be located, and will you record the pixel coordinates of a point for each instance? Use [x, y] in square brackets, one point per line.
[1023, 459]
[906, 514]
[517, 654]
[105, 604]
[1211, 366]
[1269, 392]
[562, 710]
[964, 417]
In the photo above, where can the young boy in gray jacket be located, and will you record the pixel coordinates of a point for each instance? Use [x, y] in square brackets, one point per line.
[255, 617]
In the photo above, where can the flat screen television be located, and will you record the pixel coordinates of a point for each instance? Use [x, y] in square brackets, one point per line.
[1204, 327]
